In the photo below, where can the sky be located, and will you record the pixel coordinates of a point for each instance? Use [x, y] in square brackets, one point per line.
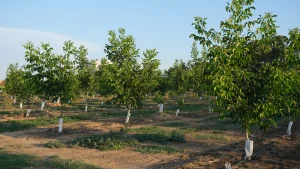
[161, 24]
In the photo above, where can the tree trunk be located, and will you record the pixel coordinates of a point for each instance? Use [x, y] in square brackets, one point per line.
[28, 111]
[58, 100]
[60, 123]
[86, 105]
[21, 105]
[248, 147]
[42, 105]
[209, 106]
[61, 110]
[177, 112]
[60, 120]
[247, 135]
[128, 116]
[289, 132]
[161, 107]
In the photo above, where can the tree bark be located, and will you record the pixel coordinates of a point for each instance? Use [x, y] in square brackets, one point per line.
[128, 115]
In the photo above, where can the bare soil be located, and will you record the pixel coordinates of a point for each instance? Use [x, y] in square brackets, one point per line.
[271, 150]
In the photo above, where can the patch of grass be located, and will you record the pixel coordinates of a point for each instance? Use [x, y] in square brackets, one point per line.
[158, 138]
[20, 161]
[177, 136]
[210, 118]
[188, 130]
[156, 149]
[59, 163]
[16, 161]
[158, 135]
[103, 142]
[55, 144]
[174, 124]
[15, 125]
[147, 130]
[10, 113]
[208, 136]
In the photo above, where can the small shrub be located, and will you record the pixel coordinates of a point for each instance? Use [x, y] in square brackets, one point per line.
[147, 130]
[179, 102]
[124, 130]
[177, 136]
[104, 142]
[155, 149]
[158, 138]
[57, 162]
[158, 98]
[6, 101]
[158, 135]
[55, 144]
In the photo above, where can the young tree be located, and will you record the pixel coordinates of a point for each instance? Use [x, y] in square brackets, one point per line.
[179, 76]
[246, 63]
[200, 79]
[104, 78]
[131, 81]
[85, 74]
[27, 88]
[54, 75]
[161, 88]
[13, 80]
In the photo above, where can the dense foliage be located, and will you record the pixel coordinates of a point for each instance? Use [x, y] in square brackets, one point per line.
[253, 69]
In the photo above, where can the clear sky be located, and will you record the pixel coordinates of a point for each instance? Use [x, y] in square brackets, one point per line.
[161, 24]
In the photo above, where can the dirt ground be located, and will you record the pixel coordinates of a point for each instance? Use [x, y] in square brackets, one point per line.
[271, 150]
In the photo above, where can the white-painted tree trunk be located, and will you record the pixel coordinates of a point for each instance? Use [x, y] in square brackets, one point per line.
[93, 96]
[15, 99]
[248, 147]
[161, 107]
[42, 105]
[209, 106]
[60, 124]
[102, 103]
[21, 105]
[27, 114]
[128, 116]
[58, 100]
[177, 112]
[200, 97]
[86, 105]
[289, 132]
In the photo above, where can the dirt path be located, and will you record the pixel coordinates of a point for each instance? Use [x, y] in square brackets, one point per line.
[32, 142]
[283, 152]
